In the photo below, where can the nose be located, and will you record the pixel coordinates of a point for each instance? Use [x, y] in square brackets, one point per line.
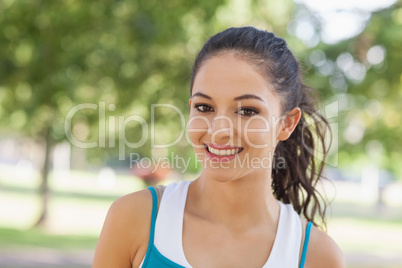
[222, 129]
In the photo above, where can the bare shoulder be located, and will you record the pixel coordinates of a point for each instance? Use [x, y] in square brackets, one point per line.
[124, 238]
[323, 251]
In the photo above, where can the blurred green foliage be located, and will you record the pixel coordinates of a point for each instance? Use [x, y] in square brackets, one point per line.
[364, 74]
[58, 54]
[55, 55]
[120, 55]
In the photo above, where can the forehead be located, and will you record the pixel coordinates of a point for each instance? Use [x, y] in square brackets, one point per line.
[228, 76]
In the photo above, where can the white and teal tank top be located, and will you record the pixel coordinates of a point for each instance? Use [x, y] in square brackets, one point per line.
[165, 247]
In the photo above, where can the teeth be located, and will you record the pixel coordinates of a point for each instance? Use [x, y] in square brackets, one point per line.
[224, 152]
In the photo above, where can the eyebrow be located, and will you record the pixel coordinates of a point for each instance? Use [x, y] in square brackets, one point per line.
[242, 97]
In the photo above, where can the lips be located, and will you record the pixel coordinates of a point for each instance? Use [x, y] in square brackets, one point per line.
[222, 152]
[221, 146]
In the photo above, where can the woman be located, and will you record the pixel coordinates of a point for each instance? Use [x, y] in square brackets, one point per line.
[248, 110]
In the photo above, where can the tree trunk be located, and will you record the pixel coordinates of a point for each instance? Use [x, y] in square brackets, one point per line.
[44, 187]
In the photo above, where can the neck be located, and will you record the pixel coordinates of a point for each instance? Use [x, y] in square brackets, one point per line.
[240, 203]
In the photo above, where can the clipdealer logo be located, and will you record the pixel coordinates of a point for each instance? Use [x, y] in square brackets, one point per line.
[117, 125]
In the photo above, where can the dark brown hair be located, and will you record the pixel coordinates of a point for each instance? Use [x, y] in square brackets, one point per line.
[269, 54]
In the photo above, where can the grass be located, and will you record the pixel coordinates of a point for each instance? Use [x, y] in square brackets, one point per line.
[367, 243]
[37, 238]
[369, 235]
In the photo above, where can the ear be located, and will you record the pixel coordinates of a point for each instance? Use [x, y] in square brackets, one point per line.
[189, 102]
[289, 124]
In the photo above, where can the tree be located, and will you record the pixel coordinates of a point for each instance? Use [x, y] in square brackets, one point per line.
[363, 73]
[56, 55]
[123, 56]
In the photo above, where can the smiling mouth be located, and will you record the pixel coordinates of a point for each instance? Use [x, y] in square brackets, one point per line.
[223, 152]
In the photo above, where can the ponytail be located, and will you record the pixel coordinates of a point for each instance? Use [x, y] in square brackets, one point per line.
[296, 183]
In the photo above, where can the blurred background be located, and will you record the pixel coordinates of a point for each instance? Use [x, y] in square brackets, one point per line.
[83, 82]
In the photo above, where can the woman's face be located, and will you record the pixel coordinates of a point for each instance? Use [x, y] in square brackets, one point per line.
[234, 118]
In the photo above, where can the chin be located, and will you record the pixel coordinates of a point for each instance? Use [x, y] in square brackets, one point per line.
[221, 175]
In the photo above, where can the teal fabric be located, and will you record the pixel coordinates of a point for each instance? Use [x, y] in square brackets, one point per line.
[305, 245]
[157, 260]
[154, 259]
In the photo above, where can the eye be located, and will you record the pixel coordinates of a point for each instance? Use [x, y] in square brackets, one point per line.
[203, 108]
[247, 112]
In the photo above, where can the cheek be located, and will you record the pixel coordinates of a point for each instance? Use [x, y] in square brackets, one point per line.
[259, 133]
[197, 127]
